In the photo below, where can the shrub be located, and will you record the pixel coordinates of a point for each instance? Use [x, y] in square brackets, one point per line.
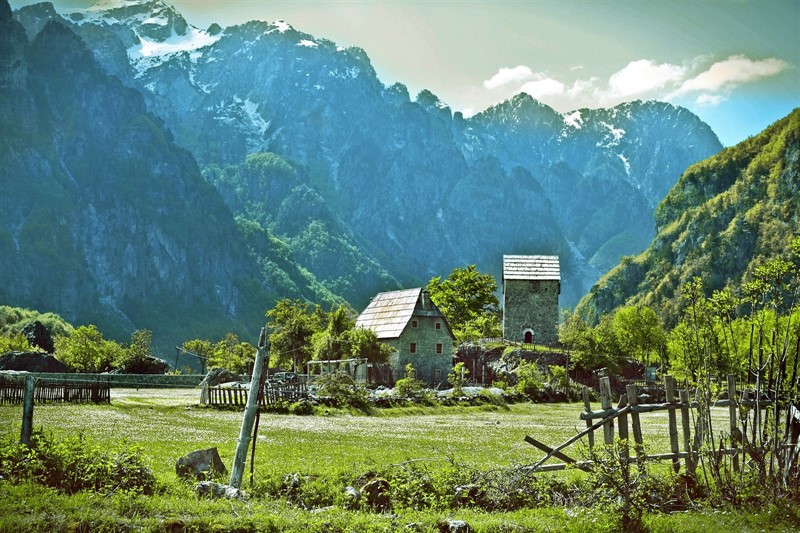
[529, 379]
[409, 386]
[342, 390]
[75, 464]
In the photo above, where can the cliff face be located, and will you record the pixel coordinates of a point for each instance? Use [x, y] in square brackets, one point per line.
[104, 219]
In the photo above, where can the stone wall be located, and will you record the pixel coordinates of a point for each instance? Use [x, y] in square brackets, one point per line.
[431, 367]
[530, 305]
[164, 381]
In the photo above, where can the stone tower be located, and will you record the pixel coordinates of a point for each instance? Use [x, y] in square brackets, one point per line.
[531, 285]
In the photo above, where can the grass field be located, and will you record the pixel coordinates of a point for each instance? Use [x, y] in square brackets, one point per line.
[171, 423]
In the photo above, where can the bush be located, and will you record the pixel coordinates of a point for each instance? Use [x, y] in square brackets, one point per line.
[409, 386]
[75, 464]
[342, 390]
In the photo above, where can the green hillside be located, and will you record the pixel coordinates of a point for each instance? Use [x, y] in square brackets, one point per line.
[725, 216]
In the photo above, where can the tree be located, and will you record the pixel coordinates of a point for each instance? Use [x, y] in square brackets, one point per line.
[364, 344]
[467, 299]
[334, 342]
[85, 350]
[638, 332]
[292, 325]
[232, 354]
[137, 351]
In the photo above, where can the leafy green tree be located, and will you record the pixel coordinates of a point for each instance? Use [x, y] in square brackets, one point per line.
[85, 350]
[232, 354]
[292, 325]
[13, 342]
[364, 344]
[334, 341]
[467, 299]
[638, 332]
[203, 348]
[137, 351]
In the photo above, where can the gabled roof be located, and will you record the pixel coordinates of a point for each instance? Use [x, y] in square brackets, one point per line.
[389, 312]
[531, 267]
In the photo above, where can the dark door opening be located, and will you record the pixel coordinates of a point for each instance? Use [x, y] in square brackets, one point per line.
[528, 337]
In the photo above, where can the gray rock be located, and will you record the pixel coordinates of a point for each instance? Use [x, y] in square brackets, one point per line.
[211, 489]
[453, 526]
[200, 464]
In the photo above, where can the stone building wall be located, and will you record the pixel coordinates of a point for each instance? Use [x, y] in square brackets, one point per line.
[431, 367]
[530, 305]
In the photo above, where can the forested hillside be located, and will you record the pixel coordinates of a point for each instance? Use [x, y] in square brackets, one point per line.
[725, 216]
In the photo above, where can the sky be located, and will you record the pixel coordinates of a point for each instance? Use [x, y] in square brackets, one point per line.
[734, 63]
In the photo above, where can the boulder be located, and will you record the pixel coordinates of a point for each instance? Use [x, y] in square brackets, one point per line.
[148, 365]
[376, 494]
[200, 464]
[32, 362]
[211, 489]
[39, 336]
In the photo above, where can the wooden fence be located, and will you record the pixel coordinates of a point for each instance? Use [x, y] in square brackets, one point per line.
[237, 397]
[72, 392]
[625, 420]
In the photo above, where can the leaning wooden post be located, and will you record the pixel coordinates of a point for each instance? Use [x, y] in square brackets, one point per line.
[633, 401]
[249, 414]
[732, 412]
[27, 411]
[587, 405]
[605, 403]
[669, 386]
[623, 427]
[687, 445]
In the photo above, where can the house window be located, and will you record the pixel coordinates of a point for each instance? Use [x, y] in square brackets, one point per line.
[438, 347]
[413, 323]
[438, 325]
[412, 348]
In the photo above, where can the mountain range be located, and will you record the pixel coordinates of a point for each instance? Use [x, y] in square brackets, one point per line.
[157, 170]
[726, 215]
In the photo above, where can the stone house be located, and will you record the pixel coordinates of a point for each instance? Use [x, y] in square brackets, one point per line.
[413, 326]
[531, 285]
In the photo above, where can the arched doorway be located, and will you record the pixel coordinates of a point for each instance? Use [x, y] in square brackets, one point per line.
[528, 337]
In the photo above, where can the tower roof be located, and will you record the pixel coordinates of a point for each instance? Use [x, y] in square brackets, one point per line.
[531, 267]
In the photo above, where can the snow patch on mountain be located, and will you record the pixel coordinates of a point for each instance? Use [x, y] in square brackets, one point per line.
[574, 119]
[612, 137]
[307, 43]
[626, 163]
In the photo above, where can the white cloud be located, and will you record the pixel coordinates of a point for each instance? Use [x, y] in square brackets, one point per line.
[505, 76]
[642, 77]
[729, 73]
[544, 87]
[709, 100]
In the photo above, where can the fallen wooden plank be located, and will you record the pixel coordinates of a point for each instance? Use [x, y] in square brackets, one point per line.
[558, 455]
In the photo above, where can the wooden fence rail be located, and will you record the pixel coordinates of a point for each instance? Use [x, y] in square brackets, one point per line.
[615, 420]
[45, 392]
[237, 397]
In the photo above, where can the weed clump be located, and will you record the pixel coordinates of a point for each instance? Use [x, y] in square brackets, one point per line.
[75, 464]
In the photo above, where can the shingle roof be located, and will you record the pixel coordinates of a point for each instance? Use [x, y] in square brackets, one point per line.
[531, 267]
[389, 312]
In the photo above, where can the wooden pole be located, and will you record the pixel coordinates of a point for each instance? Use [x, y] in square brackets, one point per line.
[623, 427]
[732, 412]
[27, 411]
[605, 403]
[249, 414]
[588, 406]
[633, 401]
[669, 386]
[687, 445]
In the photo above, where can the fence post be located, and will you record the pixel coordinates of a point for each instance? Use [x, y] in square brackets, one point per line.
[687, 446]
[27, 411]
[732, 412]
[249, 414]
[669, 387]
[605, 403]
[623, 427]
[588, 407]
[633, 401]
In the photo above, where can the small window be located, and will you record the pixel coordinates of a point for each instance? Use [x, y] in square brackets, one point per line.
[412, 348]
[413, 323]
[438, 348]
[438, 325]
